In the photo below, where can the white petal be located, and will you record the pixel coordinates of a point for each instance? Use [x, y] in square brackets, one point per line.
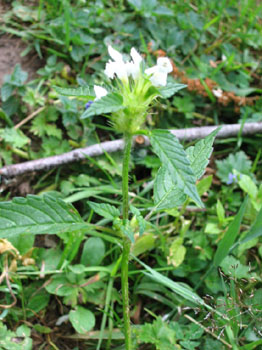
[121, 71]
[117, 68]
[132, 69]
[164, 64]
[159, 79]
[114, 54]
[136, 57]
[218, 92]
[100, 92]
[110, 69]
[152, 70]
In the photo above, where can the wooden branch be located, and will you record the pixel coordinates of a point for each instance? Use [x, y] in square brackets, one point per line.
[117, 145]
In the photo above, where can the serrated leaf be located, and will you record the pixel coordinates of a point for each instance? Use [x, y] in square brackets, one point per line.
[6, 91]
[38, 215]
[166, 193]
[106, 210]
[127, 231]
[107, 104]
[238, 161]
[141, 221]
[14, 137]
[18, 77]
[170, 89]
[199, 154]
[174, 158]
[77, 92]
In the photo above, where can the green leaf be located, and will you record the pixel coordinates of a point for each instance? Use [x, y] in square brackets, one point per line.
[38, 215]
[110, 103]
[199, 154]
[170, 89]
[174, 158]
[23, 243]
[233, 267]
[18, 77]
[6, 91]
[60, 285]
[18, 340]
[251, 346]
[158, 333]
[6, 118]
[204, 185]
[181, 289]
[42, 329]
[141, 221]
[238, 161]
[220, 212]
[82, 319]
[247, 185]
[177, 252]
[128, 231]
[144, 244]
[93, 252]
[229, 238]
[166, 193]
[77, 92]
[106, 210]
[255, 231]
[14, 137]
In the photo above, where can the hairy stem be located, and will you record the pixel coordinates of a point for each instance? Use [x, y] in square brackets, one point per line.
[126, 244]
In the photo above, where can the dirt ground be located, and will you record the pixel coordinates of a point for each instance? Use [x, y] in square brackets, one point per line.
[10, 52]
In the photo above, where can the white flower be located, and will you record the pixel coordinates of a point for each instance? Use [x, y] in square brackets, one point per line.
[114, 54]
[100, 92]
[159, 78]
[164, 65]
[116, 68]
[152, 70]
[158, 73]
[218, 93]
[123, 69]
[133, 68]
[136, 57]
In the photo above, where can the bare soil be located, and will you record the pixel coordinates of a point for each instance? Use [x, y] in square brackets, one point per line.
[10, 54]
[10, 51]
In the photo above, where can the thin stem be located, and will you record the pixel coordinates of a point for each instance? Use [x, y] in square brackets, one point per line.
[127, 151]
[126, 244]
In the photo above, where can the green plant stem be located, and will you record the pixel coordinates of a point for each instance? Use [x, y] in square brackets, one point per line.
[126, 244]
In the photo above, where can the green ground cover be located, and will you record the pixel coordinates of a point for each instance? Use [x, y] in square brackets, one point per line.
[194, 273]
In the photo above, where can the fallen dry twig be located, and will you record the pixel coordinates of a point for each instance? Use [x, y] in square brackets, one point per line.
[117, 145]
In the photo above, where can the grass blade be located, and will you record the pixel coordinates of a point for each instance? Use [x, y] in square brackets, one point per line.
[230, 236]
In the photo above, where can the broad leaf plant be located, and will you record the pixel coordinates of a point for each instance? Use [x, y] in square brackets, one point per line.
[131, 90]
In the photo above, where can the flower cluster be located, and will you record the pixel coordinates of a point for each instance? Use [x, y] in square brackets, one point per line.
[137, 86]
[117, 67]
